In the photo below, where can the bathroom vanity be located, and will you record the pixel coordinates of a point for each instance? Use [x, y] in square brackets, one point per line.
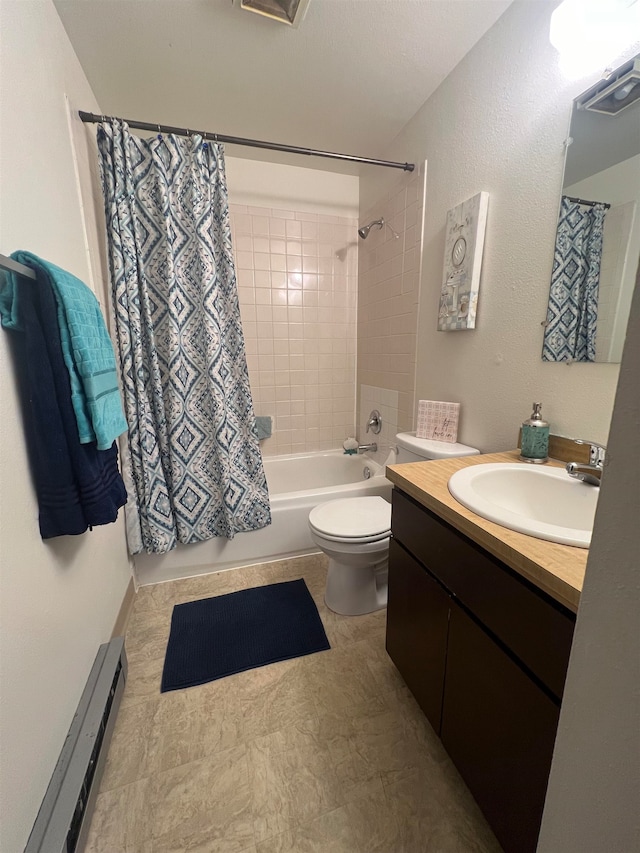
[480, 622]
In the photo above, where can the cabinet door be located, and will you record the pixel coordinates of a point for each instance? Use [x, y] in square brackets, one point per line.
[538, 630]
[417, 625]
[499, 728]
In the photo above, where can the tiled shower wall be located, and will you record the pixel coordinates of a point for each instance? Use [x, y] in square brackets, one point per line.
[388, 294]
[297, 281]
[385, 402]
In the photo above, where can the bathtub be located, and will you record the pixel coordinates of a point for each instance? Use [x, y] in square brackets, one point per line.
[297, 483]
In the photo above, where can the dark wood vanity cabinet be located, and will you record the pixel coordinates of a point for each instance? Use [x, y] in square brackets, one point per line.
[417, 628]
[485, 653]
[499, 729]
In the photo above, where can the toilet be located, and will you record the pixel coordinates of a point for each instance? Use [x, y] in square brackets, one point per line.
[354, 533]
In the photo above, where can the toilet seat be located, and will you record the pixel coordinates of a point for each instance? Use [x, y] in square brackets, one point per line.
[356, 520]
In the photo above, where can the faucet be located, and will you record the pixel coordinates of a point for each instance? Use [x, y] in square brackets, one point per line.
[592, 472]
[362, 448]
[375, 422]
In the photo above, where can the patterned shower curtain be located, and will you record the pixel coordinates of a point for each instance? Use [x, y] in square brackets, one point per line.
[570, 333]
[194, 468]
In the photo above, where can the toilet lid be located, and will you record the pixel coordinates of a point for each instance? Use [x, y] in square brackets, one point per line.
[352, 518]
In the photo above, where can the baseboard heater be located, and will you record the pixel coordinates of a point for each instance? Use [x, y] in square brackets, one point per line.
[63, 821]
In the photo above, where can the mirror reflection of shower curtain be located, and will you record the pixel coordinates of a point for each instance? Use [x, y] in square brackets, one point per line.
[570, 333]
[194, 460]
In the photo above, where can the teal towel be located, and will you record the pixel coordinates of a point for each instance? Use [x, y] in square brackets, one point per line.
[263, 426]
[88, 355]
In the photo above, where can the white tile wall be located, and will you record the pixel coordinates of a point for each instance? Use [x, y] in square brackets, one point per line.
[297, 275]
[385, 401]
[388, 295]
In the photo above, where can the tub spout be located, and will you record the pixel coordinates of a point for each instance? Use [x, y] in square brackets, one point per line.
[362, 448]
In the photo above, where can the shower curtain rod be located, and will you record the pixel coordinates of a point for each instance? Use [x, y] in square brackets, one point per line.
[588, 203]
[253, 143]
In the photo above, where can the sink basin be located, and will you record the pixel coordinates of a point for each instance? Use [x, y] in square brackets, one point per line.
[543, 502]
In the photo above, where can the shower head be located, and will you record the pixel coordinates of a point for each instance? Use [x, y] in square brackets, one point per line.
[378, 223]
[364, 231]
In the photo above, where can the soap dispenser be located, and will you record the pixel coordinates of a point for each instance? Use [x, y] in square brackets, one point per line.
[534, 446]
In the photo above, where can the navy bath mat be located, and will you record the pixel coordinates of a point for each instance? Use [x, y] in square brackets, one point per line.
[215, 637]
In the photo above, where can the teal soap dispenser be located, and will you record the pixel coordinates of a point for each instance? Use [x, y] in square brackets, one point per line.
[534, 446]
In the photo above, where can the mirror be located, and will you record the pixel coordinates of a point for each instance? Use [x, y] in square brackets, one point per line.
[598, 238]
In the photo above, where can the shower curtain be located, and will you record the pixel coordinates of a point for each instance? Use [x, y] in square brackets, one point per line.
[194, 469]
[570, 333]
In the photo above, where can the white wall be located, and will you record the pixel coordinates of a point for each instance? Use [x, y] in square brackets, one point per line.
[498, 123]
[58, 600]
[616, 185]
[594, 788]
[260, 184]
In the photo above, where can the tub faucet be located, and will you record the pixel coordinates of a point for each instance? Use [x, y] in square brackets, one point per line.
[375, 422]
[362, 448]
[592, 472]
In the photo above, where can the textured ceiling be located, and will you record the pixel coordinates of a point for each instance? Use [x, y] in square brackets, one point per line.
[347, 80]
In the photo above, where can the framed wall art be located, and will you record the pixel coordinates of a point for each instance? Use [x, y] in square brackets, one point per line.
[464, 242]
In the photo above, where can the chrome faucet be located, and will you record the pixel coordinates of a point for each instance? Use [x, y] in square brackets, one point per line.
[592, 472]
[362, 448]
[375, 422]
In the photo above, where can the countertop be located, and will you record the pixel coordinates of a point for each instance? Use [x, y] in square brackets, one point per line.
[556, 569]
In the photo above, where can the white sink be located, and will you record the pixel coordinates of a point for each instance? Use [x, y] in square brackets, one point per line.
[543, 502]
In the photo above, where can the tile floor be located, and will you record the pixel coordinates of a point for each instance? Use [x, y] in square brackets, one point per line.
[327, 753]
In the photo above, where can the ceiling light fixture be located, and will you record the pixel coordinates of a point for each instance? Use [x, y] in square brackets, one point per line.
[624, 91]
[614, 93]
[588, 34]
[290, 12]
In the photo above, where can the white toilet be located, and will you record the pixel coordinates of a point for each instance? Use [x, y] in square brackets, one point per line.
[354, 533]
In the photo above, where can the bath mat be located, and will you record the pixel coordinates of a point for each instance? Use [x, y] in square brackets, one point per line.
[216, 637]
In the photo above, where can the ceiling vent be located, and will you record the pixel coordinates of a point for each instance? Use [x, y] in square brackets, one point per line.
[615, 93]
[290, 12]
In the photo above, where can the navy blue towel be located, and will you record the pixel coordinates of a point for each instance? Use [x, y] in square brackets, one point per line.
[216, 637]
[78, 486]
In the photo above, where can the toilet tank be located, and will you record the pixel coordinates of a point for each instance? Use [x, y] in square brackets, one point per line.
[412, 449]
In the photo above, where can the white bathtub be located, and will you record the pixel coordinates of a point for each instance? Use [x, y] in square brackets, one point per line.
[297, 483]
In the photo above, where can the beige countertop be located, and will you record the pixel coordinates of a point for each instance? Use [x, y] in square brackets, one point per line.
[556, 569]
